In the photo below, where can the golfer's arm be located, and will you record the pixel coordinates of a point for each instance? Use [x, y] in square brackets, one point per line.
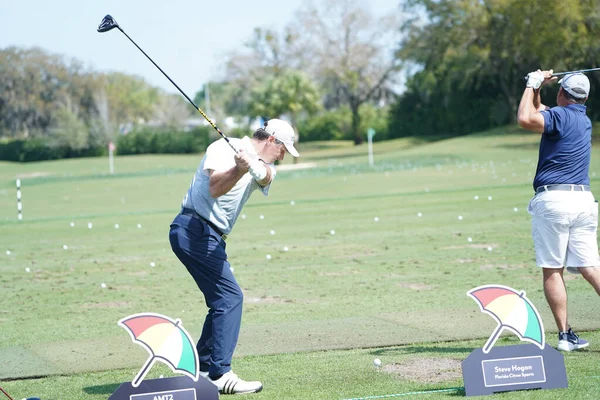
[222, 182]
[529, 116]
[267, 178]
[537, 101]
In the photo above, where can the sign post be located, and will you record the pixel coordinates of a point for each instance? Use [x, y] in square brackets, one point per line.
[370, 133]
[111, 157]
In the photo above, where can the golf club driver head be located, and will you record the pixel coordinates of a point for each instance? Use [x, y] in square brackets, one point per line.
[107, 24]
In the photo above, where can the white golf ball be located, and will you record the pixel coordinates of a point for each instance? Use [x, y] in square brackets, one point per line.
[8, 252]
[489, 197]
[161, 376]
[272, 232]
[376, 219]
[460, 217]
[476, 197]
[27, 269]
[139, 225]
[285, 248]
[90, 225]
[103, 285]
[332, 232]
[268, 256]
[377, 362]
[515, 209]
[116, 226]
[65, 246]
[469, 239]
[261, 216]
[490, 248]
[419, 215]
[72, 224]
[243, 216]
[152, 264]
[292, 202]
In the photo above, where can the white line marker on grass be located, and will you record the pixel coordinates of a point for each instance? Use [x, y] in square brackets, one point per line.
[386, 396]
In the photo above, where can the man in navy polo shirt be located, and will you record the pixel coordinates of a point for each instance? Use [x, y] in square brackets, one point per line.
[564, 211]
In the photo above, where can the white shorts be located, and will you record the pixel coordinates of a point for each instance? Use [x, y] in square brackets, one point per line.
[563, 227]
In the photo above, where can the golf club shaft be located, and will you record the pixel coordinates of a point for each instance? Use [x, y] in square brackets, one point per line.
[6, 393]
[181, 91]
[578, 71]
[581, 71]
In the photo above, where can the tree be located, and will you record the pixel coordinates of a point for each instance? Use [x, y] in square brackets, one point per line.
[67, 130]
[171, 111]
[226, 98]
[130, 98]
[352, 53]
[290, 92]
[31, 81]
[467, 45]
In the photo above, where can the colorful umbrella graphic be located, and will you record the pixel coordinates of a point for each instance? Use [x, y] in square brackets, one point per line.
[165, 340]
[512, 310]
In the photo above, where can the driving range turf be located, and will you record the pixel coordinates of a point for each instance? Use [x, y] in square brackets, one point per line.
[378, 265]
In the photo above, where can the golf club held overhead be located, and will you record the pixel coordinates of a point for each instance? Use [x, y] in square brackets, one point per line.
[108, 23]
[582, 71]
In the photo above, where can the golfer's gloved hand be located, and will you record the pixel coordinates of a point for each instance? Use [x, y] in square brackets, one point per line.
[242, 161]
[258, 170]
[535, 79]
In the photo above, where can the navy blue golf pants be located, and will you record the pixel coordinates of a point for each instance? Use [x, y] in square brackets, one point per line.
[202, 251]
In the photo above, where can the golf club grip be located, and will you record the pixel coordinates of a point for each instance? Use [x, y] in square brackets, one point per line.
[180, 91]
[556, 74]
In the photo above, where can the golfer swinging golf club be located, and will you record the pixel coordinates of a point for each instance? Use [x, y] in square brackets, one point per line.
[564, 212]
[221, 186]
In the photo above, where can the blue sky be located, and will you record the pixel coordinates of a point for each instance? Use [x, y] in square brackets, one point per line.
[187, 39]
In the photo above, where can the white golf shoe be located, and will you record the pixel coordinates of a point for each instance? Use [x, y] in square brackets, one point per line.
[230, 383]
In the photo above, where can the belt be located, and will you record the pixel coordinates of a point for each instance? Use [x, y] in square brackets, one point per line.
[194, 214]
[568, 188]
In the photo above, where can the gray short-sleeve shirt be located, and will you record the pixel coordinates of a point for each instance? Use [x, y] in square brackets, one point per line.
[224, 210]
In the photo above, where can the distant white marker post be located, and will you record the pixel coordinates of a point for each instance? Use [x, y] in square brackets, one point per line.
[19, 205]
[370, 134]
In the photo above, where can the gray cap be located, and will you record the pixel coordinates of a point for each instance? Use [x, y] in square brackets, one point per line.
[577, 85]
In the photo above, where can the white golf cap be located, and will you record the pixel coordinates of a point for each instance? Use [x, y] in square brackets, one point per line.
[283, 132]
[577, 85]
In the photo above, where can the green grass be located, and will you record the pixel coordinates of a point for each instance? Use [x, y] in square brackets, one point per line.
[316, 315]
